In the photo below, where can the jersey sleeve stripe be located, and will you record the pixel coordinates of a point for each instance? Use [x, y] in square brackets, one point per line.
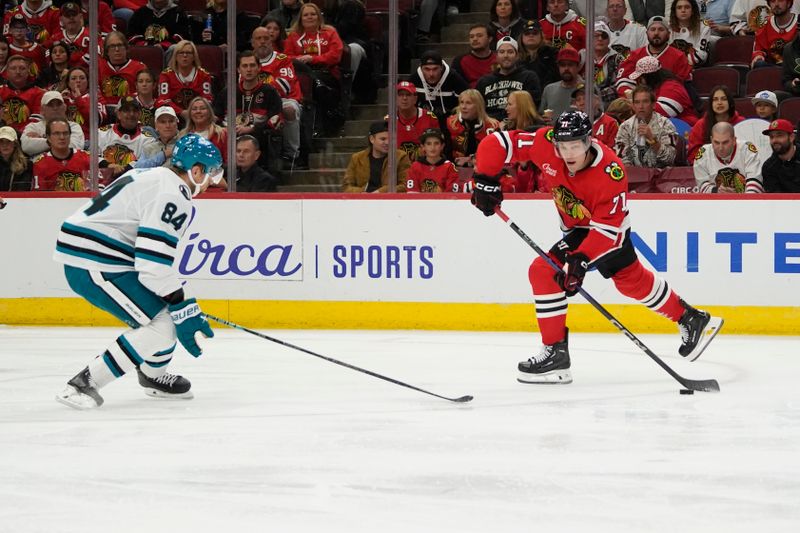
[670, 106]
[155, 257]
[158, 235]
[91, 255]
[99, 238]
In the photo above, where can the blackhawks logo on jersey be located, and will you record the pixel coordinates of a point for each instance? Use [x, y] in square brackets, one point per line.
[155, 33]
[757, 17]
[567, 203]
[615, 171]
[118, 154]
[184, 96]
[731, 178]
[411, 149]
[699, 154]
[115, 86]
[429, 185]
[549, 135]
[15, 111]
[70, 181]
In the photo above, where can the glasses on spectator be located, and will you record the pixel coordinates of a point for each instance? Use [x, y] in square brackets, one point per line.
[113, 46]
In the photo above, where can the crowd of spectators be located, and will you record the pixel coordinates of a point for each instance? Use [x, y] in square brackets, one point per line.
[521, 68]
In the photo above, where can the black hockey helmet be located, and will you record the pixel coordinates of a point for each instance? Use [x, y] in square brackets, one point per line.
[572, 125]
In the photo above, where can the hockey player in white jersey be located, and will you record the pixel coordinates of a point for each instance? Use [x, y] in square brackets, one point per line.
[118, 252]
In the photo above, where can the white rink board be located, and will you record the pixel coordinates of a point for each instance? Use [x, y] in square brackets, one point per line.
[725, 252]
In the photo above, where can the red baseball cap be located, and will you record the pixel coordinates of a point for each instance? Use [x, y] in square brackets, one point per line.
[406, 86]
[568, 54]
[779, 125]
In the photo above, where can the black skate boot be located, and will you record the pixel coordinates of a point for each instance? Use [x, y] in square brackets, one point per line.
[81, 392]
[550, 366]
[168, 386]
[697, 328]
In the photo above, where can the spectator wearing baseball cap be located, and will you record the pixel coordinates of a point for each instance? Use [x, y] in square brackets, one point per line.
[124, 142]
[166, 128]
[557, 97]
[672, 100]
[368, 171]
[33, 139]
[606, 63]
[21, 44]
[536, 55]
[658, 46]
[505, 20]
[781, 172]
[563, 27]
[766, 105]
[411, 119]
[438, 86]
[510, 76]
[16, 170]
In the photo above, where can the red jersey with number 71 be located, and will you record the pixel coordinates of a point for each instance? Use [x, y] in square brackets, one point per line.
[594, 197]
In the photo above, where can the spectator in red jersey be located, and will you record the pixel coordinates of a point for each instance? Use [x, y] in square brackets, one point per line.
[672, 59]
[40, 15]
[53, 76]
[184, 78]
[16, 170]
[62, 168]
[780, 29]
[21, 46]
[672, 100]
[317, 44]
[203, 122]
[105, 18]
[76, 96]
[721, 107]
[504, 19]
[3, 56]
[368, 171]
[117, 73]
[275, 31]
[536, 55]
[432, 172]
[479, 60]
[74, 34]
[469, 126]
[411, 119]
[562, 26]
[20, 98]
[605, 128]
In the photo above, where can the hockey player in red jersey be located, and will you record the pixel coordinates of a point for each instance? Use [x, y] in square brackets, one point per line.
[432, 172]
[590, 190]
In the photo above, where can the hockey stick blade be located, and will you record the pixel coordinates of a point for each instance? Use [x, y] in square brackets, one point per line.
[460, 399]
[707, 385]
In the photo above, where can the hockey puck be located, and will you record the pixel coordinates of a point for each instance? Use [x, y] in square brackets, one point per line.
[686, 391]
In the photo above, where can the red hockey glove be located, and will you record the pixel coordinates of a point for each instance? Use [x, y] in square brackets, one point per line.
[486, 193]
[571, 278]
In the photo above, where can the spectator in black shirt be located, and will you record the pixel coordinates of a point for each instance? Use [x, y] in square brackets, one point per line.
[781, 172]
[249, 176]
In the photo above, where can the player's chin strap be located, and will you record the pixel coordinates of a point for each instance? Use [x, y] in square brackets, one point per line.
[706, 385]
[214, 176]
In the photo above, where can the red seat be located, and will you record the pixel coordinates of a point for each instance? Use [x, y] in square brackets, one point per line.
[733, 51]
[403, 6]
[198, 5]
[790, 110]
[151, 56]
[764, 79]
[640, 179]
[212, 59]
[257, 7]
[707, 78]
[121, 25]
[676, 180]
[745, 107]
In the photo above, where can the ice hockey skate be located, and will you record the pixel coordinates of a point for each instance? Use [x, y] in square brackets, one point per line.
[81, 392]
[551, 365]
[698, 328]
[169, 386]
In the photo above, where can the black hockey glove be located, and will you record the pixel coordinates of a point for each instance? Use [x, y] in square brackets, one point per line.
[486, 193]
[571, 278]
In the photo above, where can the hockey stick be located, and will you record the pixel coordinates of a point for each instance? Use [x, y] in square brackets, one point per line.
[705, 385]
[460, 399]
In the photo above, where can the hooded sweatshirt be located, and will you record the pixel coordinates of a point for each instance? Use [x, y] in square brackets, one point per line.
[495, 88]
[324, 46]
[571, 30]
[441, 98]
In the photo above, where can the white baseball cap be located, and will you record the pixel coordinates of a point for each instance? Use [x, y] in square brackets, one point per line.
[165, 110]
[49, 96]
[767, 97]
[8, 133]
[507, 40]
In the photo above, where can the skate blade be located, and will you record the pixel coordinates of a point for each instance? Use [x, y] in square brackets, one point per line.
[554, 377]
[77, 400]
[155, 393]
[709, 332]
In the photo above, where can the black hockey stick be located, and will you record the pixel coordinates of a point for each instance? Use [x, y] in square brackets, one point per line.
[460, 399]
[704, 385]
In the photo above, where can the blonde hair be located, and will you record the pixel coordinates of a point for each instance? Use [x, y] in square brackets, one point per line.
[480, 106]
[18, 161]
[173, 61]
[214, 129]
[620, 109]
[297, 27]
[527, 115]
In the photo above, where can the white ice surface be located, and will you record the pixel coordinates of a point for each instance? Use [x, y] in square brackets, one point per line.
[277, 440]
